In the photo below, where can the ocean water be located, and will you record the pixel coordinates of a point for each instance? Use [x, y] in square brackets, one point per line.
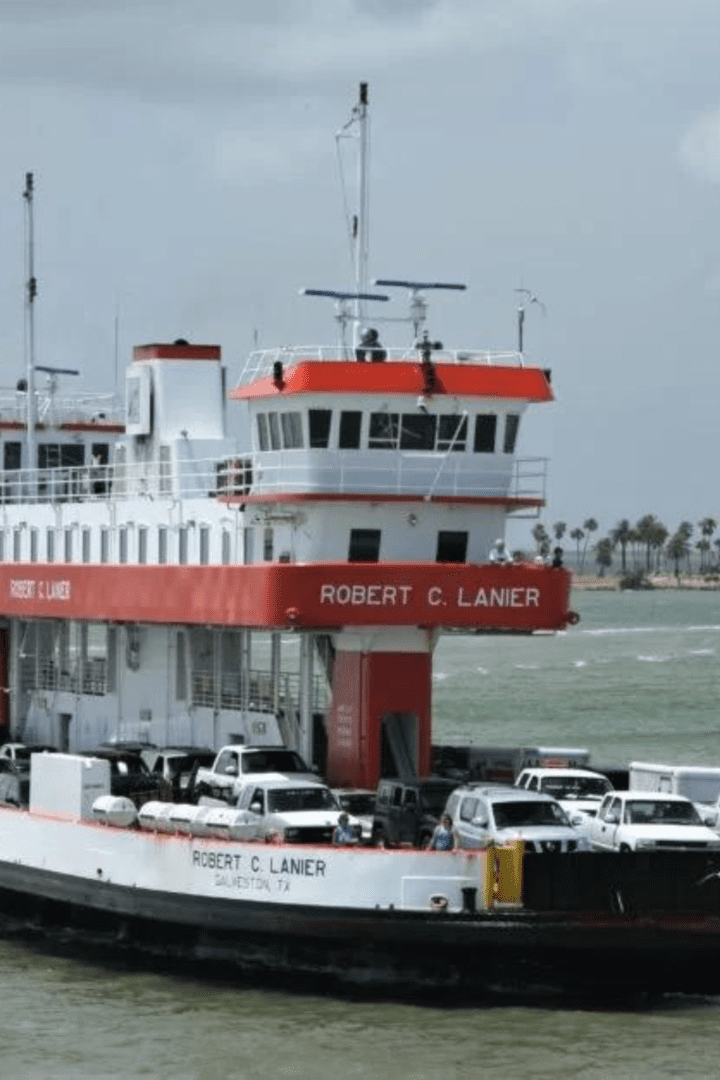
[637, 678]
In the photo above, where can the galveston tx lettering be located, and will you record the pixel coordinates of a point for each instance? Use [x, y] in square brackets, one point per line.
[517, 596]
[30, 589]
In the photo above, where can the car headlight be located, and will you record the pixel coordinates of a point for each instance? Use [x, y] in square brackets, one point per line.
[644, 845]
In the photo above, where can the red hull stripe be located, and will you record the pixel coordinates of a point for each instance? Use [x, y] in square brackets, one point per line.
[176, 352]
[342, 377]
[515, 596]
[101, 427]
[515, 502]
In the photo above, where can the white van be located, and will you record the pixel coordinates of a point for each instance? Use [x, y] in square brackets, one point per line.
[699, 783]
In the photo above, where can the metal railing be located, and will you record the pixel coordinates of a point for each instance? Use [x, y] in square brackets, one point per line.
[260, 362]
[417, 474]
[256, 693]
[56, 410]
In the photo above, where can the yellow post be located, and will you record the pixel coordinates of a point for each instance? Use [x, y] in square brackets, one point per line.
[488, 877]
[508, 862]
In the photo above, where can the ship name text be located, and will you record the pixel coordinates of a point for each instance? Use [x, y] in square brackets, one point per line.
[32, 589]
[256, 864]
[518, 596]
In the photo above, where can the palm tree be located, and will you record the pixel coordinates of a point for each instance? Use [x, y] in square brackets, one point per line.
[621, 535]
[577, 535]
[677, 549]
[703, 546]
[542, 539]
[647, 529]
[559, 529]
[707, 527]
[603, 554]
[590, 525]
[657, 541]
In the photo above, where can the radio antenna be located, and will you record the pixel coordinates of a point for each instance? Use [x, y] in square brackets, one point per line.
[30, 294]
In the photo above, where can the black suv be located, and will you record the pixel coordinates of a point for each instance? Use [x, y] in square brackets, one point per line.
[129, 775]
[407, 811]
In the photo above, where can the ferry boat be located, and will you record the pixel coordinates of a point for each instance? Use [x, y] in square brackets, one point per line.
[164, 582]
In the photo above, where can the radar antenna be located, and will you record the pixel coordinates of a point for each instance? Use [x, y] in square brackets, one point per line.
[343, 314]
[418, 303]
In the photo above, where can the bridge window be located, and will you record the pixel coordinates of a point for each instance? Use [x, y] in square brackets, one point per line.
[384, 431]
[123, 544]
[320, 428]
[50, 545]
[142, 544]
[17, 545]
[292, 431]
[512, 423]
[417, 432]
[364, 545]
[452, 433]
[68, 545]
[162, 544]
[225, 557]
[204, 545]
[12, 455]
[452, 547]
[485, 427]
[33, 545]
[268, 544]
[274, 430]
[263, 438]
[183, 545]
[350, 424]
[86, 545]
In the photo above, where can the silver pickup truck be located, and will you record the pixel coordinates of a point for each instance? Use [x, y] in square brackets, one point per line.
[236, 766]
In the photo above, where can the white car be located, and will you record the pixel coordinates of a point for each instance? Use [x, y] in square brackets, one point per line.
[297, 811]
[649, 821]
[579, 791]
[493, 814]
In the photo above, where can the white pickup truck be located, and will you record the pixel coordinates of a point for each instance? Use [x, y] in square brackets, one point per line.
[236, 766]
[649, 821]
[295, 810]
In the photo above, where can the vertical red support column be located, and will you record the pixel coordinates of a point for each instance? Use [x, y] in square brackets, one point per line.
[4, 685]
[368, 689]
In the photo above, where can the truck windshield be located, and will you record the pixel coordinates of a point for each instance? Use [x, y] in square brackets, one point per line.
[660, 812]
[273, 761]
[575, 787]
[518, 814]
[283, 799]
[434, 797]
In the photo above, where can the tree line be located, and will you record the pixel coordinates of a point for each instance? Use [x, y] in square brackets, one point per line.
[647, 546]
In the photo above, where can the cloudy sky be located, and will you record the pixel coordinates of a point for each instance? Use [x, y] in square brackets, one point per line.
[187, 183]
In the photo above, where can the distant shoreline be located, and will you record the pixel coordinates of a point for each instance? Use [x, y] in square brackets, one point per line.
[657, 581]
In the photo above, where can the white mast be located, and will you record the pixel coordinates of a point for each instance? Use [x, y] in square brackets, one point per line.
[361, 223]
[30, 295]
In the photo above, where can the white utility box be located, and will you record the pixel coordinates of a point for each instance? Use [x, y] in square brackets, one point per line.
[66, 785]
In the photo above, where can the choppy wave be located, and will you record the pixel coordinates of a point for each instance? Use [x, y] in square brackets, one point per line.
[655, 659]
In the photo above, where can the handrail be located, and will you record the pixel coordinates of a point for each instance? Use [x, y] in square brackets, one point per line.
[414, 473]
[260, 362]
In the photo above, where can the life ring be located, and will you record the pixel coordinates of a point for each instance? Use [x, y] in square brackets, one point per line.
[573, 618]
